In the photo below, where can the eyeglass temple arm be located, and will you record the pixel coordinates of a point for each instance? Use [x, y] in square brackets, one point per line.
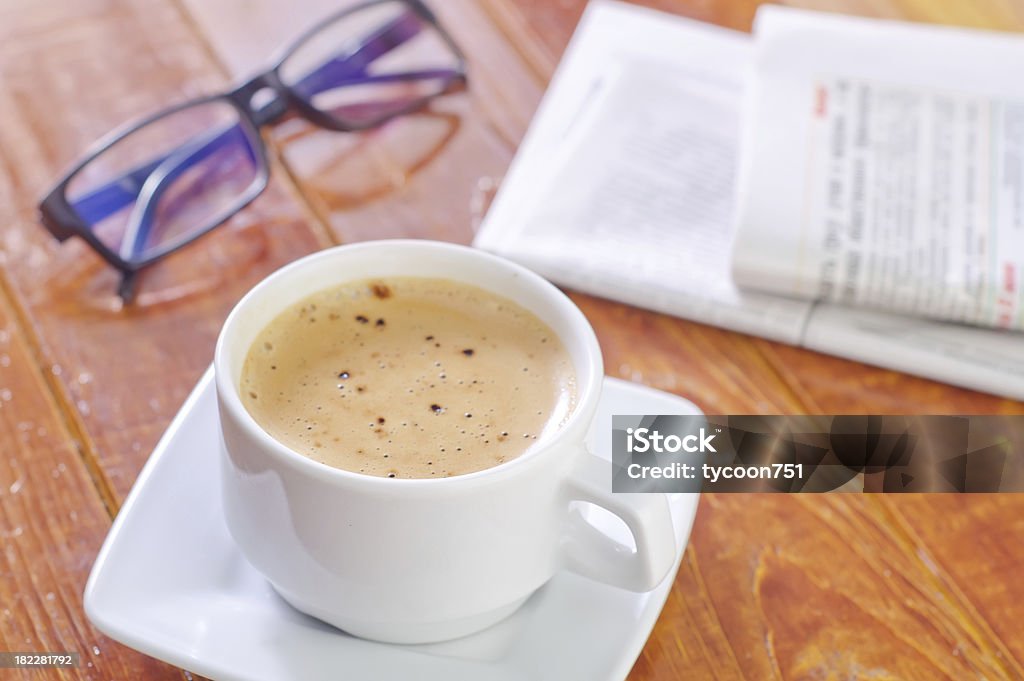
[424, 74]
[126, 289]
[117, 194]
[108, 199]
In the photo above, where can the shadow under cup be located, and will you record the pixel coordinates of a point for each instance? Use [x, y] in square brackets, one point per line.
[401, 560]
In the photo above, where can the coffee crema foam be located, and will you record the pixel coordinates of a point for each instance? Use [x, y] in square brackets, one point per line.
[408, 377]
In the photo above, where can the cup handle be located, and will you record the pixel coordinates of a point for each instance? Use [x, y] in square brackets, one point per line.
[591, 553]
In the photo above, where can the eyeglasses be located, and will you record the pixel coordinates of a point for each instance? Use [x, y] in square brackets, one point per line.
[156, 185]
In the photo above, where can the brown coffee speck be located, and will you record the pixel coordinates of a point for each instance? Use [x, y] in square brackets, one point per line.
[468, 352]
[252, 394]
[360, 388]
[468, 415]
[362, 319]
[430, 338]
[380, 419]
[380, 291]
[380, 321]
[436, 408]
[391, 475]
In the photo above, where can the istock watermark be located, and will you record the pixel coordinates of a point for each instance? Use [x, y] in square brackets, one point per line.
[857, 453]
[642, 440]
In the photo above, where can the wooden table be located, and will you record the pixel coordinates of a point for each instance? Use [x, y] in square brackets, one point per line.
[794, 587]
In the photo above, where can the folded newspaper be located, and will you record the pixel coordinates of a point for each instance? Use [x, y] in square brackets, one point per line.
[852, 191]
[882, 165]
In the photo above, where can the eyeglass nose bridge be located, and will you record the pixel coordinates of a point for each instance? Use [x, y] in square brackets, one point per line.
[263, 98]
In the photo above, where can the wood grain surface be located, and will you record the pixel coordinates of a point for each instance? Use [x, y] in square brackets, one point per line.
[52, 522]
[825, 587]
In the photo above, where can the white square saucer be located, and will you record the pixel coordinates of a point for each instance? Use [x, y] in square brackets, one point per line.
[170, 582]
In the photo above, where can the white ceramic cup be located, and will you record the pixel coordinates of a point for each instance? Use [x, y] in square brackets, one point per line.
[415, 560]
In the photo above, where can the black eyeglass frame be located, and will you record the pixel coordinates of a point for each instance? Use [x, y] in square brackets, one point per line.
[61, 219]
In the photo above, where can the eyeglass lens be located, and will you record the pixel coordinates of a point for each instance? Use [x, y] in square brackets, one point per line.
[164, 182]
[371, 64]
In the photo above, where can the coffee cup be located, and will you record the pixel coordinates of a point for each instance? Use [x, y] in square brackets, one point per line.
[424, 560]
